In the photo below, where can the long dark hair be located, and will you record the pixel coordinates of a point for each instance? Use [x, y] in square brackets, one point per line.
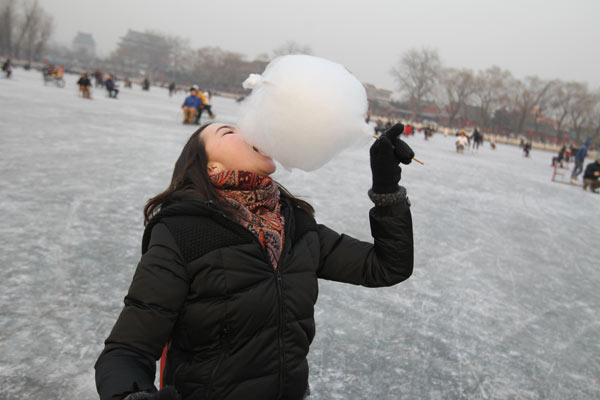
[191, 175]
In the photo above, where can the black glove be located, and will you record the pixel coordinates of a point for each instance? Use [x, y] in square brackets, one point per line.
[166, 393]
[386, 154]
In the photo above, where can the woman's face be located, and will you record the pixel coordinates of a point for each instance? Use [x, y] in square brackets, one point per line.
[226, 150]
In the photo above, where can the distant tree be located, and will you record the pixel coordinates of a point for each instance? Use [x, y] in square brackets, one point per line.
[490, 92]
[562, 96]
[595, 118]
[222, 70]
[38, 41]
[291, 47]
[158, 57]
[526, 96]
[458, 86]
[417, 74]
[581, 110]
[8, 19]
[503, 119]
[263, 57]
[24, 31]
[180, 55]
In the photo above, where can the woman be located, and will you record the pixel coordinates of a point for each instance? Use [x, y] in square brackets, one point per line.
[228, 275]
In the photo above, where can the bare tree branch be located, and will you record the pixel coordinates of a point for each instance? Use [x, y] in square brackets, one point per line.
[458, 87]
[291, 47]
[491, 92]
[417, 74]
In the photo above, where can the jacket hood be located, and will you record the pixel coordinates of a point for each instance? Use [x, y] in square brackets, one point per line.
[180, 203]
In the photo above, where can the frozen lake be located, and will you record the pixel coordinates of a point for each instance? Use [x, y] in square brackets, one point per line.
[504, 302]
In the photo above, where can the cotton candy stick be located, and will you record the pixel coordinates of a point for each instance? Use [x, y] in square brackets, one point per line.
[414, 158]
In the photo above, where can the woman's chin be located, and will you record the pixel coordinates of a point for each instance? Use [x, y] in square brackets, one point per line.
[269, 168]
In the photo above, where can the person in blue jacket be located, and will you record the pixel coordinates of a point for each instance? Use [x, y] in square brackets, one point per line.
[111, 87]
[579, 157]
[189, 107]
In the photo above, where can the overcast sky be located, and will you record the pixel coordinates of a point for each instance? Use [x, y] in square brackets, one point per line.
[549, 38]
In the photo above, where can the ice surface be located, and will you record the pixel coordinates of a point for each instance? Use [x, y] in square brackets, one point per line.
[303, 110]
[503, 303]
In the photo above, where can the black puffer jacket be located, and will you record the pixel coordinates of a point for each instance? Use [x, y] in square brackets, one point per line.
[590, 169]
[237, 328]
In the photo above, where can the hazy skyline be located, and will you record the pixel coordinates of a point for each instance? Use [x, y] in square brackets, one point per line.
[551, 39]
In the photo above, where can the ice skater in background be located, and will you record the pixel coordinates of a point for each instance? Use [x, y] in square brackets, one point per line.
[84, 86]
[208, 105]
[591, 176]
[526, 149]
[477, 139]
[111, 87]
[461, 142]
[579, 158]
[560, 157]
[189, 106]
[228, 277]
[7, 68]
[201, 105]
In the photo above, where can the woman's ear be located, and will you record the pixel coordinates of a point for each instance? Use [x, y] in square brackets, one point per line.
[215, 168]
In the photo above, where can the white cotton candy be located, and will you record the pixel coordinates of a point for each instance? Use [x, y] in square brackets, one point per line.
[303, 110]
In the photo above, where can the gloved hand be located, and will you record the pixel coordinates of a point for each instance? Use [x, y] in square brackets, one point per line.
[386, 155]
[166, 393]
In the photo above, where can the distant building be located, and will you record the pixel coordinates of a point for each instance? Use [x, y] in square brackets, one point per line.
[381, 96]
[84, 45]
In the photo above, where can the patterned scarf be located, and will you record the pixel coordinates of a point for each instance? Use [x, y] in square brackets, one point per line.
[256, 198]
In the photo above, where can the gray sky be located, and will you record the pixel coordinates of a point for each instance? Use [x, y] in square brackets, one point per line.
[549, 38]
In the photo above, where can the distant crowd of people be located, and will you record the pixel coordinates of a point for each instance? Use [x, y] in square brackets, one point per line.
[463, 141]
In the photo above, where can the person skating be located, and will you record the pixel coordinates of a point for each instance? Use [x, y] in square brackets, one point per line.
[111, 87]
[229, 269]
[461, 142]
[579, 158]
[146, 83]
[208, 105]
[526, 149]
[591, 176]
[201, 105]
[7, 68]
[98, 78]
[204, 103]
[560, 157]
[172, 90]
[477, 139]
[189, 106]
[84, 86]
[571, 151]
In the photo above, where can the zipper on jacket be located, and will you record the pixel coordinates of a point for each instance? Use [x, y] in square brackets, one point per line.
[224, 344]
[279, 281]
[280, 331]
